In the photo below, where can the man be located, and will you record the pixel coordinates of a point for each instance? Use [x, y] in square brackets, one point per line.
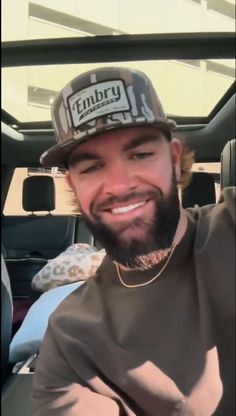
[151, 333]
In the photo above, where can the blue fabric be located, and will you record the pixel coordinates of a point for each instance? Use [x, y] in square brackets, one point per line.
[28, 338]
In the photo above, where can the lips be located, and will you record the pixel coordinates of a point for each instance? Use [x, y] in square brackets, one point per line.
[124, 208]
[127, 208]
[124, 214]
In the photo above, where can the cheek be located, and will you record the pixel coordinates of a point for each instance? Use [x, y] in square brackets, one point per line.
[160, 175]
[85, 196]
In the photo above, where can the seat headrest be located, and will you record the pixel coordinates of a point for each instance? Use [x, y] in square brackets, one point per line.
[228, 155]
[38, 193]
[200, 191]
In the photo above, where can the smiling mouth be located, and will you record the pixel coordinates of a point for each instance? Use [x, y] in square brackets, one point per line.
[126, 208]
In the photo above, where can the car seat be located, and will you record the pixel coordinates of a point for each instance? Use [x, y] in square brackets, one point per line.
[228, 156]
[6, 320]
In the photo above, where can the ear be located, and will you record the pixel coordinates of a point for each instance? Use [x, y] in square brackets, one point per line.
[69, 180]
[176, 151]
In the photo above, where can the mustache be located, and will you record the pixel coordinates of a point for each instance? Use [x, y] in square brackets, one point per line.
[125, 198]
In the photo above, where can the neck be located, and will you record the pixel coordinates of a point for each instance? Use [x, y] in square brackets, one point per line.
[152, 259]
[181, 228]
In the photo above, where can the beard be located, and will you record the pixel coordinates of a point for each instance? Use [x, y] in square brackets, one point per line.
[157, 233]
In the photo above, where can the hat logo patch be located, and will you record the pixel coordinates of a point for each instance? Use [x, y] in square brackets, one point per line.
[98, 100]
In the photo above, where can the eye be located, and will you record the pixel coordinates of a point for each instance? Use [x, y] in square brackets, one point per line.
[142, 155]
[91, 169]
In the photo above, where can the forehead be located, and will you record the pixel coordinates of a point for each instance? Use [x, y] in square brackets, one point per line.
[116, 139]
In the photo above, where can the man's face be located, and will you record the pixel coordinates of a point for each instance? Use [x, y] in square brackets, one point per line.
[125, 183]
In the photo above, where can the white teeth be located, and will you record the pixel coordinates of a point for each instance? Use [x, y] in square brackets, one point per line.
[128, 208]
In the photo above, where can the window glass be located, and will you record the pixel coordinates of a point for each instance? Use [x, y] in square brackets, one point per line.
[39, 19]
[29, 91]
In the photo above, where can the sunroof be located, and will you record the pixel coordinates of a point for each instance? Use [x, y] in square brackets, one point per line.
[187, 88]
[40, 19]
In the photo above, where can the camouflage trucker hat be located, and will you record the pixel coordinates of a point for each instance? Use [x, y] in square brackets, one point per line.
[100, 100]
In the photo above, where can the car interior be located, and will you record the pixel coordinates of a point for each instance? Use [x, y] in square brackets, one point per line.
[35, 66]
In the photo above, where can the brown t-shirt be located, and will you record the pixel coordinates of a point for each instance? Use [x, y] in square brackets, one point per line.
[165, 349]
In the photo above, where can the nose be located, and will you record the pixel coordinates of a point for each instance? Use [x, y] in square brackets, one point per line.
[119, 179]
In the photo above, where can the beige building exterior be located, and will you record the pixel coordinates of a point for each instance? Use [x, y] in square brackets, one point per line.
[185, 88]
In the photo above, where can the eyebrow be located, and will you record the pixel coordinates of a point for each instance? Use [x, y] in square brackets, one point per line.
[87, 156]
[141, 140]
[82, 157]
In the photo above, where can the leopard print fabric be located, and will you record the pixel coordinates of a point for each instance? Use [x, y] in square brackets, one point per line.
[77, 262]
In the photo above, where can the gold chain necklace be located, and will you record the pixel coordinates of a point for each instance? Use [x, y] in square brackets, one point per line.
[149, 281]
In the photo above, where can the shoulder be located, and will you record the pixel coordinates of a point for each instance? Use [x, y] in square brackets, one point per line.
[85, 305]
[71, 300]
[78, 304]
[215, 230]
[219, 216]
[214, 250]
[227, 201]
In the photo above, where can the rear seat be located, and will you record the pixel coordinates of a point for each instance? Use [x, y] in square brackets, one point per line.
[29, 241]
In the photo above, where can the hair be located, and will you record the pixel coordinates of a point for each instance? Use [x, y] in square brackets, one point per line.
[186, 163]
